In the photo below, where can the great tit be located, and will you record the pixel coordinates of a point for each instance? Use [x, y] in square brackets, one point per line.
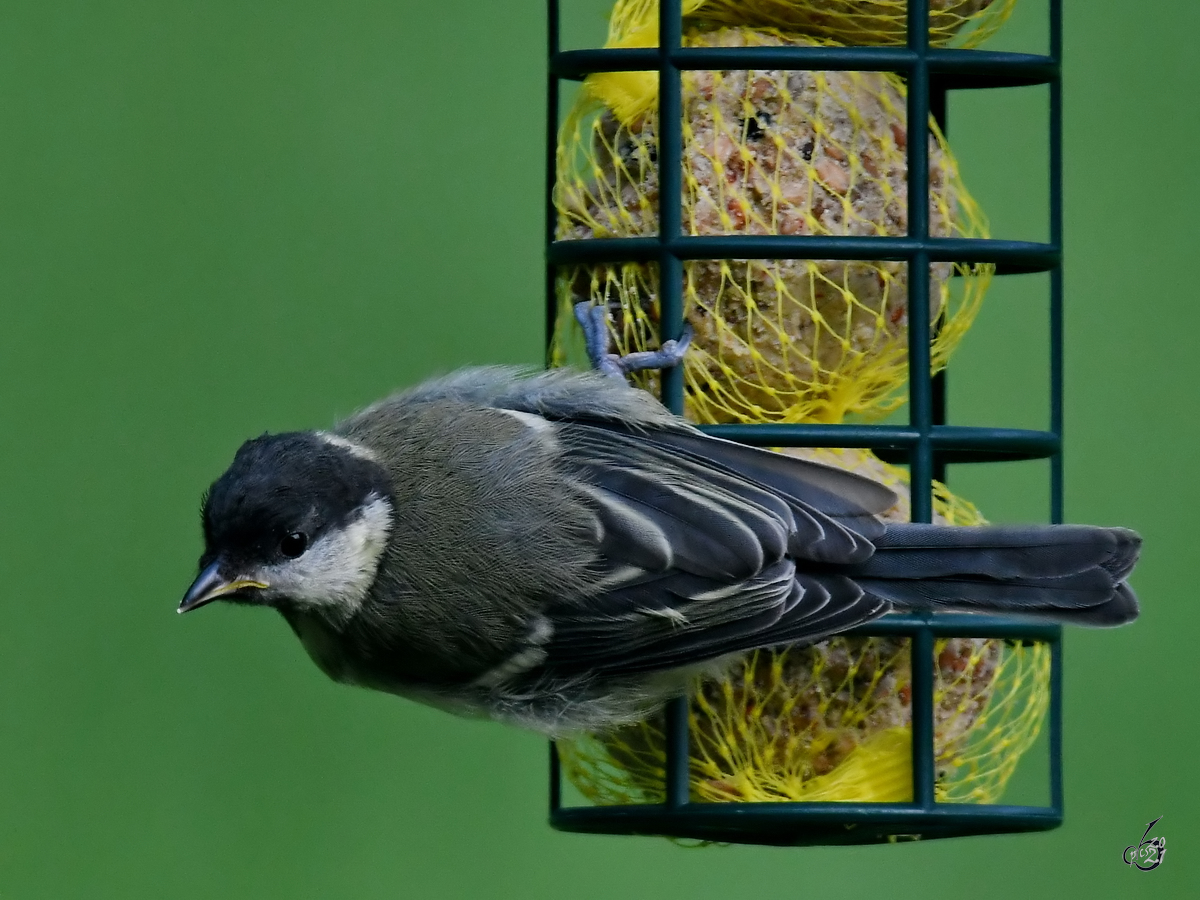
[559, 551]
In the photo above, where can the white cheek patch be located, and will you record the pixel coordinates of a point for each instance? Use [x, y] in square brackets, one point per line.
[335, 573]
[336, 440]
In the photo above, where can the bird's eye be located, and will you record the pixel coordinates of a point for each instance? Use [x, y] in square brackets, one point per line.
[294, 544]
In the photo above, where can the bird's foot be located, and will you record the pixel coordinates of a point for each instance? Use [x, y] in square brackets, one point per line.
[593, 319]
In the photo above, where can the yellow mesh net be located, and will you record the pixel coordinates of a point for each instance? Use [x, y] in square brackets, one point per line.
[963, 23]
[765, 152]
[832, 722]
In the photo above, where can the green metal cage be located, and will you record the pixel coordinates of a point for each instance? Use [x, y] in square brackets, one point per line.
[927, 443]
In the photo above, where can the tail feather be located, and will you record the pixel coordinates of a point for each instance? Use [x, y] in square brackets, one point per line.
[1120, 610]
[1000, 551]
[1071, 573]
[1129, 545]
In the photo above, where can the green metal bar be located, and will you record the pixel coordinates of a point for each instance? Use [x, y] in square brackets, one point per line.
[551, 214]
[973, 68]
[1056, 273]
[938, 102]
[920, 387]
[678, 750]
[670, 195]
[1056, 724]
[799, 824]
[1019, 256]
[952, 444]
[1056, 388]
[975, 625]
[555, 780]
[670, 228]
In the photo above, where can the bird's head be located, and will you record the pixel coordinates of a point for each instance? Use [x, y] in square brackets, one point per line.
[298, 521]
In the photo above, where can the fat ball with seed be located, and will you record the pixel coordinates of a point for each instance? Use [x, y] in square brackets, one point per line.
[765, 152]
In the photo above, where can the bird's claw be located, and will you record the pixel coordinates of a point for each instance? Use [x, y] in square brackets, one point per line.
[593, 319]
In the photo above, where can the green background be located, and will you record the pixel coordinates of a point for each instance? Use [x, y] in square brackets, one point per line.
[219, 218]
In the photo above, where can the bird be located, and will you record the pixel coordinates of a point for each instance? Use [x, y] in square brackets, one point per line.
[558, 551]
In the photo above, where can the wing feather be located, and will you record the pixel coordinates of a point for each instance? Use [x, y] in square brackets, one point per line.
[699, 546]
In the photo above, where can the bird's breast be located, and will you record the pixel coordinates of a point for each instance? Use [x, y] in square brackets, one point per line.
[322, 644]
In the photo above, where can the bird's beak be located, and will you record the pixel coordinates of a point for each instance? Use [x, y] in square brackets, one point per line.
[212, 585]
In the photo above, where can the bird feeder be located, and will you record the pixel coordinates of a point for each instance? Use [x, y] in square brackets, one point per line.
[871, 736]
